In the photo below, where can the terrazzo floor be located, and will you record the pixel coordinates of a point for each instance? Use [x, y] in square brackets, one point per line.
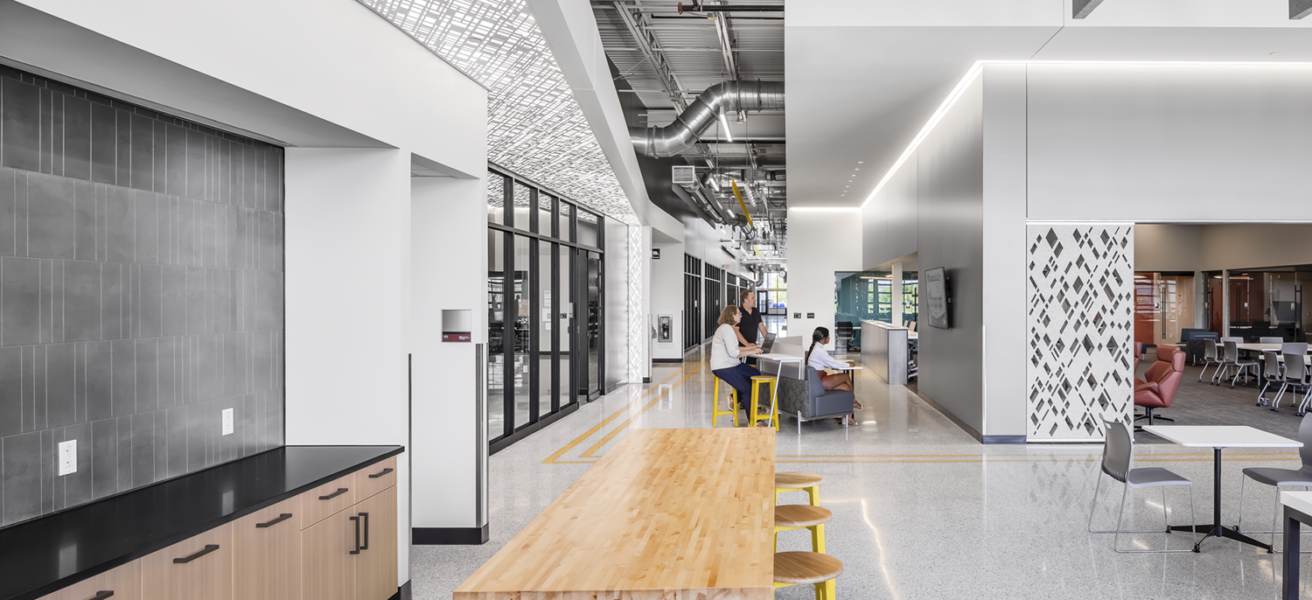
[921, 510]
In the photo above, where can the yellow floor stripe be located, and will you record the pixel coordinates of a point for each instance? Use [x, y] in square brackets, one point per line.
[622, 426]
[570, 446]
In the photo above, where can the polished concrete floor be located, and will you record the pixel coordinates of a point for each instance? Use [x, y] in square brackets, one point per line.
[921, 510]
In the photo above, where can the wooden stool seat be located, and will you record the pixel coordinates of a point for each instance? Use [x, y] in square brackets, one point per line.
[796, 479]
[764, 378]
[801, 515]
[797, 568]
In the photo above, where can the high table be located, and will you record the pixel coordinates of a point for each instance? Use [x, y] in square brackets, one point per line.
[781, 359]
[1298, 512]
[1218, 437]
[668, 513]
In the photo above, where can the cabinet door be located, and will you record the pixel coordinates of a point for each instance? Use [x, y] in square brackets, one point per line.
[376, 573]
[267, 557]
[197, 569]
[327, 563]
[124, 583]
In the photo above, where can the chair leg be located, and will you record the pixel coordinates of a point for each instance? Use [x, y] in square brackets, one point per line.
[1116, 539]
[1094, 504]
[1261, 396]
[1275, 405]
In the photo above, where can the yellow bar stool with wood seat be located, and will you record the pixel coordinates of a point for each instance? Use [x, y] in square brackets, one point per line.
[757, 380]
[796, 481]
[802, 516]
[797, 568]
[716, 413]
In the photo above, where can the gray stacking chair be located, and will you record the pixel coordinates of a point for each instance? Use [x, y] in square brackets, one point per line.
[1241, 365]
[1117, 454]
[1271, 340]
[1272, 372]
[1280, 478]
[1225, 359]
[1209, 358]
[1295, 374]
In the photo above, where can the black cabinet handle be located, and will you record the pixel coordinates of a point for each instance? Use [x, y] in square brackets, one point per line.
[102, 594]
[365, 518]
[281, 518]
[381, 473]
[357, 535]
[186, 559]
[335, 494]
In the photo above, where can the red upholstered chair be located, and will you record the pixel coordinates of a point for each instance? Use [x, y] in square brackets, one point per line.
[1161, 380]
[1138, 354]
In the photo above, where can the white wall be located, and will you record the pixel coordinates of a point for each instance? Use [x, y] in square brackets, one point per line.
[889, 224]
[820, 243]
[618, 311]
[667, 297]
[348, 304]
[337, 61]
[448, 219]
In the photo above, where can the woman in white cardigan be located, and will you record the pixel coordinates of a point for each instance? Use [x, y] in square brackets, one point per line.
[818, 358]
[725, 354]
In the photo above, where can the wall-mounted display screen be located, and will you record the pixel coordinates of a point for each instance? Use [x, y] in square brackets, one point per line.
[936, 298]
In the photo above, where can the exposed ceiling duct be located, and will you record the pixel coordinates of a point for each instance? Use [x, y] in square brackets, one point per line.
[719, 99]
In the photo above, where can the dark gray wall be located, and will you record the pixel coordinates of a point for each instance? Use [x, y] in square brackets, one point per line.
[950, 196]
[141, 293]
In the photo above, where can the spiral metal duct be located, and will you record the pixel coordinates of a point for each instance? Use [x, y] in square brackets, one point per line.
[687, 128]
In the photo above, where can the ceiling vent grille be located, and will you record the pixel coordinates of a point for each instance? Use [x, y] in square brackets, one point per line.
[684, 175]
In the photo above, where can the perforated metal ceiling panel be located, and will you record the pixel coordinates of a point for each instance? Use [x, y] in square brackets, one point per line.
[535, 126]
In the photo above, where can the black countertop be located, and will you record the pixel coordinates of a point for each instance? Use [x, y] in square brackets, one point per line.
[44, 555]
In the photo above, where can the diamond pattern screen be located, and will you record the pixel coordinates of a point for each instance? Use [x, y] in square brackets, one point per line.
[535, 126]
[1080, 320]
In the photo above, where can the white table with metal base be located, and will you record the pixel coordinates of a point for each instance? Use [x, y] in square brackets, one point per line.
[1218, 437]
[774, 395]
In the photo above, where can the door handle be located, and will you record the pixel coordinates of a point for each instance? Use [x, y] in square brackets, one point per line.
[102, 594]
[335, 494]
[206, 550]
[365, 518]
[381, 473]
[356, 520]
[281, 518]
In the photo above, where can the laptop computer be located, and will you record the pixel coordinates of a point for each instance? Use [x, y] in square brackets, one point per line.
[768, 344]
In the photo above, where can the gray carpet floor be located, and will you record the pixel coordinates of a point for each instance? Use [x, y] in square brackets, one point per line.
[1205, 404]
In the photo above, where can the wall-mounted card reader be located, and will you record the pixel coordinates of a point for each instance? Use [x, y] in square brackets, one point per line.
[456, 325]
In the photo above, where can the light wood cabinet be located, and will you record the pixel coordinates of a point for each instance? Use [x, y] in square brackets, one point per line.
[124, 583]
[376, 564]
[267, 553]
[328, 499]
[377, 478]
[197, 569]
[329, 555]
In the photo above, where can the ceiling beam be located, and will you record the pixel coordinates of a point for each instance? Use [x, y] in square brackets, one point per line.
[725, 36]
[1299, 9]
[651, 49]
[1081, 8]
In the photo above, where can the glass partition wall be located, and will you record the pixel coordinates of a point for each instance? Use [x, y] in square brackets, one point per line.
[868, 295]
[1164, 304]
[1266, 302]
[546, 351]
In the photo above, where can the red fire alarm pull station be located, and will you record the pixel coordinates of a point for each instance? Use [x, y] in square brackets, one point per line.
[456, 325]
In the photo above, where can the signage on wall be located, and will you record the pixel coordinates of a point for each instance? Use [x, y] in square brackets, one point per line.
[797, 315]
[456, 325]
[655, 253]
[810, 315]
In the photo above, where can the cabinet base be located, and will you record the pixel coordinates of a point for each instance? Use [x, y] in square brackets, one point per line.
[402, 593]
[448, 536]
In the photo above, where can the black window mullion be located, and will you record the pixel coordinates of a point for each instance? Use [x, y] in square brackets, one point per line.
[508, 201]
[555, 217]
[555, 325]
[601, 319]
[534, 377]
[533, 224]
[508, 333]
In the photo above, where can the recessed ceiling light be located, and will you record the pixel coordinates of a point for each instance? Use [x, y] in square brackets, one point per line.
[860, 162]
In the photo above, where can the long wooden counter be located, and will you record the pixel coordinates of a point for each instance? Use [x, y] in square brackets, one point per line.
[668, 513]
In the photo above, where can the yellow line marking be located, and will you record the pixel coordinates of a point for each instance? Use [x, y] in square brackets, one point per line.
[570, 446]
[622, 426]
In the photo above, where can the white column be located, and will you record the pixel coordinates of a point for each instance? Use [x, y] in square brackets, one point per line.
[348, 305]
[448, 241]
[897, 295]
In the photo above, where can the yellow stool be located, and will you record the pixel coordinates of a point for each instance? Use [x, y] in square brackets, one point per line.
[797, 568]
[802, 516]
[796, 481]
[757, 380]
[716, 413]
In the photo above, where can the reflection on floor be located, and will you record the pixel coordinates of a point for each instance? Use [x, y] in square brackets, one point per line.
[1206, 404]
[921, 511]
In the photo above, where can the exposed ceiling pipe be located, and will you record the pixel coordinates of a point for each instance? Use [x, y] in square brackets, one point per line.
[699, 7]
[722, 98]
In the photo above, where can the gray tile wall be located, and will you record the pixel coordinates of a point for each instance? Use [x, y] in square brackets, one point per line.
[141, 293]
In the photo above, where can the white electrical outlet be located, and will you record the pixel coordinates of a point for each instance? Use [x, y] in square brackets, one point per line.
[67, 457]
[227, 421]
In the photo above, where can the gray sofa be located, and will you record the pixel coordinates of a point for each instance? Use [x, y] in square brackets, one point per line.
[801, 394]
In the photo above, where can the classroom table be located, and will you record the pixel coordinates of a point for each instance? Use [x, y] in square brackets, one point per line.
[1218, 437]
[1298, 512]
[667, 513]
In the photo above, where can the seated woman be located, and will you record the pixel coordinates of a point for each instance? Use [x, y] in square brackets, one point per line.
[725, 353]
[818, 358]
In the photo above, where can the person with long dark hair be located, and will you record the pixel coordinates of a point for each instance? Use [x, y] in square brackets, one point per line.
[725, 353]
[818, 358]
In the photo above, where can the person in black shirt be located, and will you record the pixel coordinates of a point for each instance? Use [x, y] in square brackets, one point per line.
[750, 324]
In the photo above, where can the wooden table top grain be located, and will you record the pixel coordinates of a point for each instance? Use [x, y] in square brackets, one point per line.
[668, 513]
